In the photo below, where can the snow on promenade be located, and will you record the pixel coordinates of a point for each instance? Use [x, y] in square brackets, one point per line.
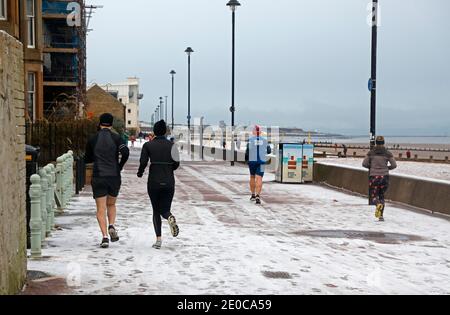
[438, 171]
[302, 240]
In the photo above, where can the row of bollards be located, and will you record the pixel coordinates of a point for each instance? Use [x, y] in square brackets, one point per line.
[50, 190]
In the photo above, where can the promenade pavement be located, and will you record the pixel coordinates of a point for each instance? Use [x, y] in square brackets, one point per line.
[304, 239]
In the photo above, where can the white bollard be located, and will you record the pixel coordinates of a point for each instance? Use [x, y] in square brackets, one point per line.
[36, 217]
[53, 176]
[71, 177]
[64, 180]
[44, 188]
[49, 199]
[59, 182]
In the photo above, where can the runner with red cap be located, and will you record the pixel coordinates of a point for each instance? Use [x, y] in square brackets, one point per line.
[256, 155]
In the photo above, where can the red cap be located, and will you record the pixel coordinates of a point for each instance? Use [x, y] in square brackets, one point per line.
[257, 130]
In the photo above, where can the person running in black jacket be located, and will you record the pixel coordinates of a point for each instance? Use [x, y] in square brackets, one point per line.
[164, 160]
[103, 150]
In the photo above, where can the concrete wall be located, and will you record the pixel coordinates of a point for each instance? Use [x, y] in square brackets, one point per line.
[426, 194]
[432, 195]
[13, 259]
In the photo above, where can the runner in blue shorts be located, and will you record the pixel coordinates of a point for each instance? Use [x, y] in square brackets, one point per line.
[256, 156]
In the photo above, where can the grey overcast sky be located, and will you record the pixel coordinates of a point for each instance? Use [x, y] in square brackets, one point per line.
[303, 63]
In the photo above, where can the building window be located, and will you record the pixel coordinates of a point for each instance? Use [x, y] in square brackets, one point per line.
[31, 95]
[31, 23]
[129, 111]
[129, 122]
[3, 11]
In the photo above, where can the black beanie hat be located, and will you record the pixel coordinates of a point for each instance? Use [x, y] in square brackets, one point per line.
[106, 120]
[160, 128]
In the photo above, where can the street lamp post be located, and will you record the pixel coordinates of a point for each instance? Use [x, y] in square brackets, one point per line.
[373, 83]
[161, 108]
[189, 52]
[173, 96]
[233, 4]
[166, 97]
[373, 77]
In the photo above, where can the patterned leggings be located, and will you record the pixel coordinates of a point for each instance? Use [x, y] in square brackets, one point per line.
[378, 186]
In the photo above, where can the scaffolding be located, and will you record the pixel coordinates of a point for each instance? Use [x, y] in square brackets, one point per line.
[65, 60]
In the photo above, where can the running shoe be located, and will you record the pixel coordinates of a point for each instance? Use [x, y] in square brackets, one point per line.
[379, 211]
[104, 243]
[157, 245]
[174, 229]
[113, 234]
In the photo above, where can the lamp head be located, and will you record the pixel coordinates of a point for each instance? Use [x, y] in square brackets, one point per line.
[233, 4]
[189, 51]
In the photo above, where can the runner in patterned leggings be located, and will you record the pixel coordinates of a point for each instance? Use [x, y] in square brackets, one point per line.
[379, 161]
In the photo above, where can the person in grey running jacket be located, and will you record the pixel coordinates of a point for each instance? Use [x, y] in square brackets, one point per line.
[379, 161]
[103, 150]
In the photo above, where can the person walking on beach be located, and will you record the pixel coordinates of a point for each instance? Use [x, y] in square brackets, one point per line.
[164, 160]
[103, 150]
[379, 161]
[345, 150]
[255, 155]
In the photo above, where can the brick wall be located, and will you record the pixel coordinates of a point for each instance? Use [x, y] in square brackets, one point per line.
[13, 259]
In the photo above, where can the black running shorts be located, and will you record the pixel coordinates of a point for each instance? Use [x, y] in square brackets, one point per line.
[106, 186]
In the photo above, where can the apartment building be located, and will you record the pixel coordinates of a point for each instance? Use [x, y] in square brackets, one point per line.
[23, 20]
[54, 54]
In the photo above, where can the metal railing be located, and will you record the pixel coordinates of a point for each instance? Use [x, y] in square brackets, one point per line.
[50, 192]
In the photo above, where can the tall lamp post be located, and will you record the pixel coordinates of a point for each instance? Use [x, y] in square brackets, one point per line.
[173, 96]
[373, 77]
[166, 97]
[189, 52]
[373, 82]
[161, 108]
[233, 4]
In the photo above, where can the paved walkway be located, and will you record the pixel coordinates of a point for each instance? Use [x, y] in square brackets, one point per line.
[302, 240]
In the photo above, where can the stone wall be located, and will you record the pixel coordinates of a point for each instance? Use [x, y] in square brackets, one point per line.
[13, 259]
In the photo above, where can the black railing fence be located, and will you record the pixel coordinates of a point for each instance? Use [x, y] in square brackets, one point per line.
[56, 138]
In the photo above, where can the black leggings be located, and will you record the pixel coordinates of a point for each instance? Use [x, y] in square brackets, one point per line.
[161, 199]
